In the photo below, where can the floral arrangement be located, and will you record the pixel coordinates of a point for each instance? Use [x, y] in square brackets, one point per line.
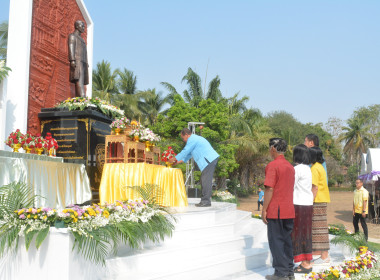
[50, 142]
[14, 138]
[365, 262]
[82, 103]
[28, 141]
[120, 123]
[334, 230]
[40, 142]
[94, 227]
[168, 154]
[147, 135]
[256, 216]
[136, 132]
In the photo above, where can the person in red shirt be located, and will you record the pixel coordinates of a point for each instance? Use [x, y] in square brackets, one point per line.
[278, 210]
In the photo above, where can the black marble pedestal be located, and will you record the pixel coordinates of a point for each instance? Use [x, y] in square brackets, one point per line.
[80, 136]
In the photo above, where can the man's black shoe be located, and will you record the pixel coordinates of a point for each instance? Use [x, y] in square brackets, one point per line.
[275, 277]
[203, 205]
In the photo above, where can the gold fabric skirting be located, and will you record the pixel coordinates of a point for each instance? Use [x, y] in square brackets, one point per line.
[118, 177]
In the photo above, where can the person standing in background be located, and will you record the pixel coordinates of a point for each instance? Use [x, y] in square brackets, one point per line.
[303, 197]
[312, 140]
[278, 210]
[260, 201]
[320, 232]
[360, 207]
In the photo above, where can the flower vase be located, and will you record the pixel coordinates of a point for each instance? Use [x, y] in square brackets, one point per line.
[136, 138]
[147, 146]
[118, 131]
[39, 151]
[168, 164]
[51, 152]
[16, 147]
[27, 149]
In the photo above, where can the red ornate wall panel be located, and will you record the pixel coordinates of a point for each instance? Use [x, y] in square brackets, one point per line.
[52, 22]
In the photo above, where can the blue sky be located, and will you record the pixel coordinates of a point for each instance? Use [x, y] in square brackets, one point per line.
[313, 59]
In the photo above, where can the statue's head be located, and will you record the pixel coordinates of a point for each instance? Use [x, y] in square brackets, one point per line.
[79, 25]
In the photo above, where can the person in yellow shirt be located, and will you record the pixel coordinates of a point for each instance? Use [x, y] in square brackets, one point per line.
[320, 231]
[360, 209]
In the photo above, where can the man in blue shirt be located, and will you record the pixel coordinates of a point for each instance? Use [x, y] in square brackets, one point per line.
[261, 199]
[206, 158]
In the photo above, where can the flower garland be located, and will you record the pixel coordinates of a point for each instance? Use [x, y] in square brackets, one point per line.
[364, 261]
[82, 103]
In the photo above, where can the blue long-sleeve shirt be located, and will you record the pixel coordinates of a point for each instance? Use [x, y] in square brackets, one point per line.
[200, 149]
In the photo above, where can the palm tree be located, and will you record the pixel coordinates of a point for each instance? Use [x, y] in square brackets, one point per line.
[104, 81]
[356, 137]
[128, 97]
[3, 39]
[194, 93]
[151, 104]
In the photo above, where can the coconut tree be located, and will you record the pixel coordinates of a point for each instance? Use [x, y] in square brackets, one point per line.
[151, 104]
[104, 81]
[194, 93]
[128, 97]
[356, 137]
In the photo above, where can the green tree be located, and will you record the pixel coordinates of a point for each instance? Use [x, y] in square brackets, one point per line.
[216, 130]
[3, 39]
[194, 93]
[128, 97]
[104, 81]
[151, 104]
[357, 139]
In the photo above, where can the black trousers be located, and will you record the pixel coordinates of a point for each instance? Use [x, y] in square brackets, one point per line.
[280, 244]
[206, 181]
[358, 217]
[258, 204]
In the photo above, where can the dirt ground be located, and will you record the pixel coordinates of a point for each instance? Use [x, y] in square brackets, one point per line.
[339, 211]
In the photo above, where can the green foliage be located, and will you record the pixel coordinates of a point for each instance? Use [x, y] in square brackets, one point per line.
[13, 197]
[352, 175]
[351, 241]
[151, 192]
[3, 40]
[96, 244]
[216, 129]
[4, 70]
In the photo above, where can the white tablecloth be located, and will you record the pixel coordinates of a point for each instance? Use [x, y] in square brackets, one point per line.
[59, 184]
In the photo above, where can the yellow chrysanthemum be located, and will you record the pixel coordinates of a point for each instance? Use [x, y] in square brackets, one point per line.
[20, 212]
[28, 216]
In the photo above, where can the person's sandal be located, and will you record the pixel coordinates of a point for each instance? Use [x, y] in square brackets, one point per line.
[321, 261]
[301, 269]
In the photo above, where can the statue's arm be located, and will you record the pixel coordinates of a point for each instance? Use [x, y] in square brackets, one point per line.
[71, 43]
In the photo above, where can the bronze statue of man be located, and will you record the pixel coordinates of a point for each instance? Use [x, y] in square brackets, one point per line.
[78, 59]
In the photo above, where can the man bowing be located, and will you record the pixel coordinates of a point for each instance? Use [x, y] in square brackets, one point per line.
[206, 158]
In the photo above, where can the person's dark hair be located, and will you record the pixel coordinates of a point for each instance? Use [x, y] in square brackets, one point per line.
[301, 154]
[279, 144]
[316, 155]
[314, 138]
[185, 131]
[361, 180]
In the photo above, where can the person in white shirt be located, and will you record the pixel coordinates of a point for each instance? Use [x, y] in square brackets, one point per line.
[303, 205]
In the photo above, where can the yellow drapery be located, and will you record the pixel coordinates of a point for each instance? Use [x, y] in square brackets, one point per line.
[118, 177]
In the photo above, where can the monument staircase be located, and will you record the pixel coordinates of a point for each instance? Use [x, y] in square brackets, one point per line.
[211, 243]
[208, 243]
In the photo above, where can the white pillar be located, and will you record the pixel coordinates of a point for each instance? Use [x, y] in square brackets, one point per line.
[15, 94]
